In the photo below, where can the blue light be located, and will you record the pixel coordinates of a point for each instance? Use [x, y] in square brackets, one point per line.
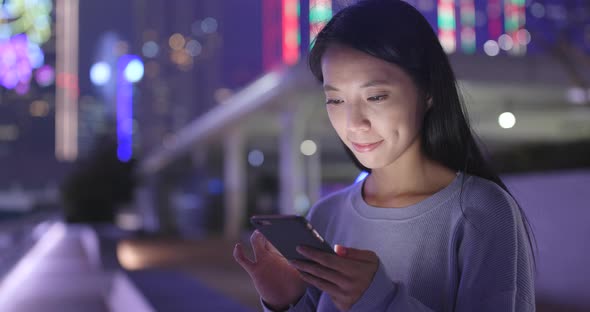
[361, 176]
[134, 70]
[35, 55]
[100, 73]
[150, 49]
[125, 106]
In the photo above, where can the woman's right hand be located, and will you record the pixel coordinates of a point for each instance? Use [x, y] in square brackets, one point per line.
[278, 283]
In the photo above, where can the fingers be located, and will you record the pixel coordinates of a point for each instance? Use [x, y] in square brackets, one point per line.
[241, 258]
[320, 271]
[356, 254]
[258, 244]
[331, 261]
[320, 283]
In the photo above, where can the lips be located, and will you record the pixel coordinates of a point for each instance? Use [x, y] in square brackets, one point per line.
[364, 148]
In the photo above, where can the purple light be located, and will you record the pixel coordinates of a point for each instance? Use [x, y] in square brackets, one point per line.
[45, 75]
[125, 108]
[22, 88]
[15, 62]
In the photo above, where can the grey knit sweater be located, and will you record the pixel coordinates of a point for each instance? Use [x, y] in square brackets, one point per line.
[462, 249]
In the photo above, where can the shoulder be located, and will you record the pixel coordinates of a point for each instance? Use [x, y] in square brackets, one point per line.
[327, 204]
[487, 205]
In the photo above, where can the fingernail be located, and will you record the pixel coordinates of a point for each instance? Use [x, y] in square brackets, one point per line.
[340, 250]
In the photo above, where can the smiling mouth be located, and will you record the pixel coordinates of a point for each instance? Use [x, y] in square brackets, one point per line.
[364, 148]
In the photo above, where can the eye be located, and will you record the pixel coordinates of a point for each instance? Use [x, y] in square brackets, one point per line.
[377, 98]
[333, 101]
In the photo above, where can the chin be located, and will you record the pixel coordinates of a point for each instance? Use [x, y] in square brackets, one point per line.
[372, 163]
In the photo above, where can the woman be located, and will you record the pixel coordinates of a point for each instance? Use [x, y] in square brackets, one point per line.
[432, 228]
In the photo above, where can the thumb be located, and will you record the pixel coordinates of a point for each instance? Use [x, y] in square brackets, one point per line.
[355, 254]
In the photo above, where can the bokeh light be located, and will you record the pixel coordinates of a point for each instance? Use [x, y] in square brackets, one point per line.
[308, 147]
[255, 158]
[507, 120]
[209, 25]
[491, 48]
[45, 75]
[150, 49]
[176, 41]
[134, 70]
[100, 73]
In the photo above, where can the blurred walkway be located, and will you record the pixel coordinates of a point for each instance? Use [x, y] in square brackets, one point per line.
[72, 268]
[210, 261]
[62, 273]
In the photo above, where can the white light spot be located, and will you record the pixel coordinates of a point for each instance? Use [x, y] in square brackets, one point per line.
[505, 42]
[491, 48]
[507, 120]
[100, 73]
[308, 147]
[134, 71]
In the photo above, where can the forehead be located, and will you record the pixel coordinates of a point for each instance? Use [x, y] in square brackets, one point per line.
[341, 63]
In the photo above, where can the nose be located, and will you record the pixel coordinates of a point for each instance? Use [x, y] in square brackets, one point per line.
[357, 120]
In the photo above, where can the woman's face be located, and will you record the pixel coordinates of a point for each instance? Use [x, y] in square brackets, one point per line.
[372, 105]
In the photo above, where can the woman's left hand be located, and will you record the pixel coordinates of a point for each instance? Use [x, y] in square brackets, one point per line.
[344, 276]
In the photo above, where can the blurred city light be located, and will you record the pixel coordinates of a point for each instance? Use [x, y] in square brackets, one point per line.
[8, 132]
[302, 204]
[100, 73]
[320, 12]
[129, 70]
[134, 70]
[150, 49]
[255, 158]
[176, 41]
[209, 25]
[291, 36]
[17, 56]
[308, 147]
[45, 75]
[36, 56]
[491, 48]
[193, 47]
[505, 42]
[39, 108]
[538, 10]
[506, 120]
[576, 96]
[447, 25]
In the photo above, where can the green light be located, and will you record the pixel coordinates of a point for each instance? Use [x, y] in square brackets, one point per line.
[511, 23]
[468, 47]
[518, 2]
[468, 18]
[319, 14]
[446, 21]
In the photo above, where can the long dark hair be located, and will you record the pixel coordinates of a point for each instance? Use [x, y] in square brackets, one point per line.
[396, 32]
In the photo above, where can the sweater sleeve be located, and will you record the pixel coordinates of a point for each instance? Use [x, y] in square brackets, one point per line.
[307, 303]
[493, 257]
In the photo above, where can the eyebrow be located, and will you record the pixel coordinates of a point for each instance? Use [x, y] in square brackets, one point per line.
[371, 83]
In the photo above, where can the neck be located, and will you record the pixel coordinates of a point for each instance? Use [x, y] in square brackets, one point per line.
[412, 177]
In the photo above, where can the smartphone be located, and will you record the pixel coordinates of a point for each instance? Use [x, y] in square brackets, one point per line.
[286, 232]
